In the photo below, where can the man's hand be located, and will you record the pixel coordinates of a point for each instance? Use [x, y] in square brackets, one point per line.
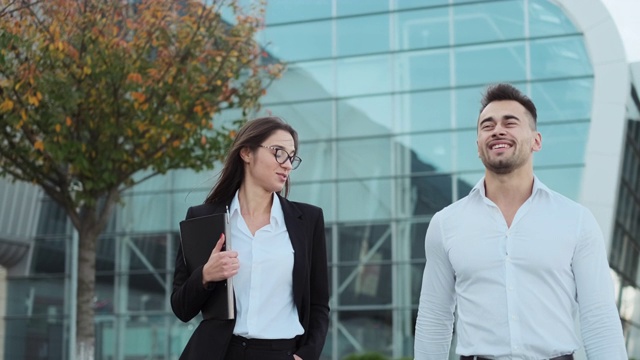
[221, 264]
[296, 357]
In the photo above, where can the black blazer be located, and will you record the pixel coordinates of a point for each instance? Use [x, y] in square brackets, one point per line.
[305, 224]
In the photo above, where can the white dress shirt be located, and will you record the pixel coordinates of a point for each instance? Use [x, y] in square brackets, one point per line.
[264, 283]
[517, 288]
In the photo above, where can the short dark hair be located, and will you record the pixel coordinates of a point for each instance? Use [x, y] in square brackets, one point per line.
[504, 91]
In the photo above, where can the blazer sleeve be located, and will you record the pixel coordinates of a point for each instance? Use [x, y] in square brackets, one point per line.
[189, 294]
[319, 294]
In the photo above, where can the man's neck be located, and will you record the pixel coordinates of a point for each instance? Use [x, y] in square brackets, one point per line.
[511, 189]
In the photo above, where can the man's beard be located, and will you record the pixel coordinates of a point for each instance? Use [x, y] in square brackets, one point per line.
[500, 166]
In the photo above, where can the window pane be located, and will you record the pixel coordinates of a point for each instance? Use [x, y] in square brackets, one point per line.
[365, 329]
[563, 100]
[312, 120]
[146, 212]
[362, 35]
[467, 105]
[562, 144]
[365, 116]
[422, 111]
[364, 200]
[279, 11]
[433, 151]
[317, 193]
[430, 194]
[423, 70]
[49, 255]
[406, 4]
[364, 158]
[467, 151]
[316, 162]
[422, 29]
[490, 63]
[352, 7]
[368, 75]
[297, 42]
[301, 82]
[566, 181]
[546, 18]
[491, 21]
[552, 58]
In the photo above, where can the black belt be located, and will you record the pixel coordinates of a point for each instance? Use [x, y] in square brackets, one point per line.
[475, 357]
[265, 344]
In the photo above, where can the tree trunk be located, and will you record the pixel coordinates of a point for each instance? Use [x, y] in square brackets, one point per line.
[90, 221]
[85, 326]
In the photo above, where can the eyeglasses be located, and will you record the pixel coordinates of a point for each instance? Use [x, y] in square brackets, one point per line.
[282, 156]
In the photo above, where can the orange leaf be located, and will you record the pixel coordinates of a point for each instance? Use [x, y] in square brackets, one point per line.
[39, 145]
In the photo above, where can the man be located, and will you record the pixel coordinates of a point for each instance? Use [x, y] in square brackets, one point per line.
[519, 260]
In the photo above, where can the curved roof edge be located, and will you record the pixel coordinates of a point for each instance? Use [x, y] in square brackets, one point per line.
[603, 155]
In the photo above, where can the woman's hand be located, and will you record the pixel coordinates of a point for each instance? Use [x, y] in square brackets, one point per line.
[221, 264]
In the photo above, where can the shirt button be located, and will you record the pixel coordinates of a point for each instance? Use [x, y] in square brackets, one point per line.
[510, 288]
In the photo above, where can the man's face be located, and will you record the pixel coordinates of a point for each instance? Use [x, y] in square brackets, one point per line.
[506, 137]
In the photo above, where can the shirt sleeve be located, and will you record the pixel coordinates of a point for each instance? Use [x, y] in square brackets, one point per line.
[434, 325]
[599, 319]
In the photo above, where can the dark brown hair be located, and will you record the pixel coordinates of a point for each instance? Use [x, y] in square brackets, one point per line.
[251, 135]
[504, 91]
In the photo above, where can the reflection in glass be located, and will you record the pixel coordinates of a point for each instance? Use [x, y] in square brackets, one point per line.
[566, 180]
[562, 144]
[297, 42]
[488, 22]
[362, 35]
[370, 157]
[366, 75]
[423, 70]
[563, 57]
[365, 329]
[422, 29]
[424, 111]
[364, 200]
[317, 163]
[547, 19]
[481, 65]
[312, 120]
[316, 193]
[303, 82]
[563, 99]
[365, 116]
[280, 11]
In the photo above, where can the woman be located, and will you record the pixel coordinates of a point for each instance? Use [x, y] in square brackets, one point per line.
[278, 261]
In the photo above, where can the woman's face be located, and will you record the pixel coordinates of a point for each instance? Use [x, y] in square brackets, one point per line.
[261, 168]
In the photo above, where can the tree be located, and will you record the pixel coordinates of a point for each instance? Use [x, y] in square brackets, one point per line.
[94, 92]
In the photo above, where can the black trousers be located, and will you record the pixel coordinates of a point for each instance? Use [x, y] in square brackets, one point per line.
[241, 348]
[562, 357]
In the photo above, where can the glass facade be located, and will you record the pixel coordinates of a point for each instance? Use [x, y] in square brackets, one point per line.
[385, 96]
[625, 247]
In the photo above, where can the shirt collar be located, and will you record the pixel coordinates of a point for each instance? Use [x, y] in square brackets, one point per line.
[276, 208]
[537, 186]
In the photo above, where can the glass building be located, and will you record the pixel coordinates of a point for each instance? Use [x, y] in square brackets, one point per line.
[385, 96]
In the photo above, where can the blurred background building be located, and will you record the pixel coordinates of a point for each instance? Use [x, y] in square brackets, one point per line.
[385, 96]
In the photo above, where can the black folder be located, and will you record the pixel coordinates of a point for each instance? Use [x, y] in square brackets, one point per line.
[198, 237]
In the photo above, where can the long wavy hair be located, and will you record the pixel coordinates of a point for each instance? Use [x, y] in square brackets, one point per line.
[251, 135]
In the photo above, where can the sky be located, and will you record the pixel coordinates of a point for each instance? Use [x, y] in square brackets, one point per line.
[626, 14]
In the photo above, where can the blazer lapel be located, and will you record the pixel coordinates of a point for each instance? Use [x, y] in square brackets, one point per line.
[295, 227]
